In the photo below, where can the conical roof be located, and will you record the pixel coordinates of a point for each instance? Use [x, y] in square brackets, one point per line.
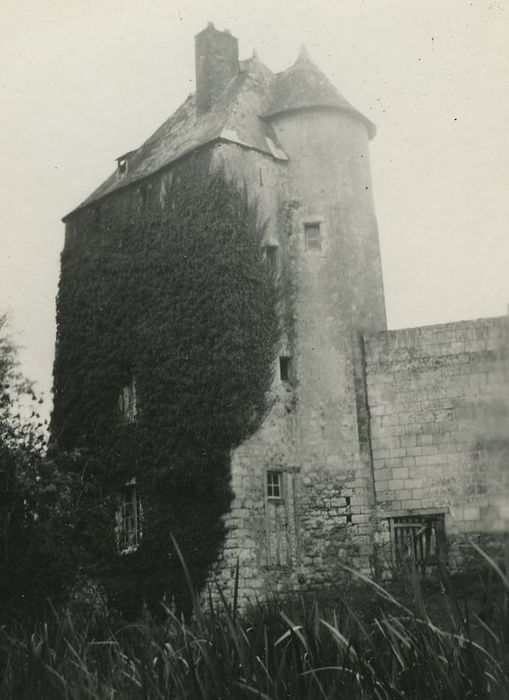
[304, 86]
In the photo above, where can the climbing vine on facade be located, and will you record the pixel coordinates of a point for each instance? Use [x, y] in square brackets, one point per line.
[163, 288]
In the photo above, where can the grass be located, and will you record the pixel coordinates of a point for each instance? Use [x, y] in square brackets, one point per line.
[293, 648]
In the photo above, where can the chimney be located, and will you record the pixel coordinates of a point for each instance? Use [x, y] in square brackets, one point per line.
[217, 62]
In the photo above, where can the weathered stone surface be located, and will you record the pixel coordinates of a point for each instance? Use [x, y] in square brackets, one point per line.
[370, 424]
[438, 400]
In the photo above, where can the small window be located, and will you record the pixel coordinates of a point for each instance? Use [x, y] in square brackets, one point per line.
[348, 509]
[127, 403]
[272, 258]
[122, 166]
[274, 485]
[285, 364]
[129, 519]
[420, 539]
[313, 237]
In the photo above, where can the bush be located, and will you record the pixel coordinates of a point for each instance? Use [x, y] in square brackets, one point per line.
[37, 499]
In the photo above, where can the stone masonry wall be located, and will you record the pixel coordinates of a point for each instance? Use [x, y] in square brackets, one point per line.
[440, 427]
[311, 435]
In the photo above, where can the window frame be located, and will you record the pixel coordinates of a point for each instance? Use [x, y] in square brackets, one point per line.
[313, 226]
[129, 518]
[271, 485]
[427, 548]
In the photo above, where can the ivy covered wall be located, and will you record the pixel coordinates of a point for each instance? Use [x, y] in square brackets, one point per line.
[163, 284]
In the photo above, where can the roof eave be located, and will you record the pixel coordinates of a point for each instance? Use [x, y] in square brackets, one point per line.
[370, 126]
[272, 152]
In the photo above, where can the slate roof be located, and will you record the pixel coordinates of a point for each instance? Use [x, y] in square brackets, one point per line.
[242, 116]
[302, 86]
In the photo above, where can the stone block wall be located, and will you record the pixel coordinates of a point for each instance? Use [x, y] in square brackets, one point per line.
[439, 421]
[311, 433]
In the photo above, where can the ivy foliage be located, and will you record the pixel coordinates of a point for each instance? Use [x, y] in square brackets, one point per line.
[165, 286]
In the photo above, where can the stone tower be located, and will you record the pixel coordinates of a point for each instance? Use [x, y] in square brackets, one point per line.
[303, 484]
[395, 437]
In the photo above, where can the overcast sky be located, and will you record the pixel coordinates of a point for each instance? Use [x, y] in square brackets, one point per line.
[83, 81]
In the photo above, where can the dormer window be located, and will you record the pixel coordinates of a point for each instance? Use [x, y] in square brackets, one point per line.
[127, 403]
[123, 163]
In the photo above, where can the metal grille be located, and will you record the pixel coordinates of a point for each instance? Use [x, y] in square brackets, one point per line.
[420, 539]
[130, 512]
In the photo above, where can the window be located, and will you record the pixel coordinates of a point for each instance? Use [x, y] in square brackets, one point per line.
[127, 403]
[313, 236]
[272, 258]
[421, 539]
[285, 364]
[129, 519]
[281, 528]
[274, 489]
[122, 165]
[348, 509]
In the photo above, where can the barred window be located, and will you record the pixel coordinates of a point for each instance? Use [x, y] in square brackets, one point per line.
[129, 519]
[420, 539]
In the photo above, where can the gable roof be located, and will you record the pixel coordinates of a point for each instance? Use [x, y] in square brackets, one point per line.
[241, 116]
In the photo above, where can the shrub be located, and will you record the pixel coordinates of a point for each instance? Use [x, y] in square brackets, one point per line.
[276, 649]
[37, 498]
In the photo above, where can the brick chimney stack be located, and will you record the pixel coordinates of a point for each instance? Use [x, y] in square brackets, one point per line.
[217, 62]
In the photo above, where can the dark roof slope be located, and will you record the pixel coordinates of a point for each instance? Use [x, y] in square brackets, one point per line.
[234, 119]
[242, 116]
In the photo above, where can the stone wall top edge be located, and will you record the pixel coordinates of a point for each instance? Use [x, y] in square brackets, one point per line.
[395, 335]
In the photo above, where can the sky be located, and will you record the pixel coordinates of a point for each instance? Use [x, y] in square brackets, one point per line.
[84, 81]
